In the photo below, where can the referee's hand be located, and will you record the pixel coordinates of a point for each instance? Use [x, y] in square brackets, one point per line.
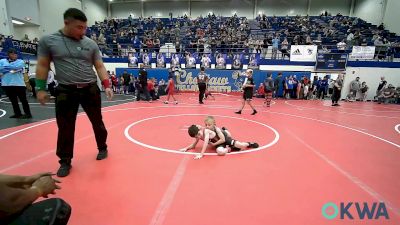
[109, 93]
[42, 97]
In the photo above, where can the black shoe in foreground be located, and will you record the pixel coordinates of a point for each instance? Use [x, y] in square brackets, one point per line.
[26, 116]
[63, 171]
[102, 155]
[253, 145]
[15, 116]
[254, 112]
[238, 112]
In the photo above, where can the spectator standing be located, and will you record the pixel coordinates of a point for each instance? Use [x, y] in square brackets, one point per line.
[12, 82]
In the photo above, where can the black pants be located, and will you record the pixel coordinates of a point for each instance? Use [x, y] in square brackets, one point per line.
[53, 211]
[52, 89]
[32, 82]
[335, 95]
[68, 100]
[18, 92]
[153, 95]
[142, 89]
[321, 93]
[202, 89]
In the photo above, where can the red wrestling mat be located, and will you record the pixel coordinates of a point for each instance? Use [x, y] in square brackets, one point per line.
[310, 154]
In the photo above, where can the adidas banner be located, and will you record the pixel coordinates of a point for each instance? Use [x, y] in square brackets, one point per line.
[303, 53]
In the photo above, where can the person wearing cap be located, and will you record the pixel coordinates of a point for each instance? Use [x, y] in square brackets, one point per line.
[74, 55]
[12, 82]
[248, 87]
[387, 94]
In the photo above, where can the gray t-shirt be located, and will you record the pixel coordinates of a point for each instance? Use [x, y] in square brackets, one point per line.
[73, 59]
[201, 78]
[339, 83]
[355, 85]
[269, 84]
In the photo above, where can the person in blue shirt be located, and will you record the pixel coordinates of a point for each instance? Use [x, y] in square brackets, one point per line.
[323, 86]
[275, 46]
[290, 86]
[136, 44]
[13, 83]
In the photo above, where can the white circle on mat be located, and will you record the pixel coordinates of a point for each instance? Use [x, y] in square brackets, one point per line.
[129, 137]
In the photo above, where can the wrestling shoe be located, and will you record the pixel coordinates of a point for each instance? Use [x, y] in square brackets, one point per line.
[253, 145]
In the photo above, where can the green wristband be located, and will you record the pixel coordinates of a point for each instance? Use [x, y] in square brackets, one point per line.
[41, 85]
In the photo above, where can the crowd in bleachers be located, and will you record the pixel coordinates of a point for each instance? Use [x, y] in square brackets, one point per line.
[118, 37]
[211, 34]
[4, 39]
[338, 33]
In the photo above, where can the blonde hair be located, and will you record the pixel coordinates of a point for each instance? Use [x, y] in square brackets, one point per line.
[209, 120]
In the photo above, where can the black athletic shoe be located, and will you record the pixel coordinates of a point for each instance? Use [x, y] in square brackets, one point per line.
[102, 155]
[253, 145]
[254, 112]
[64, 169]
[238, 112]
[223, 128]
[26, 116]
[15, 116]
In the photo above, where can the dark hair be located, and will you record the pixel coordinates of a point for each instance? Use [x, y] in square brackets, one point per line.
[12, 50]
[73, 13]
[202, 68]
[193, 131]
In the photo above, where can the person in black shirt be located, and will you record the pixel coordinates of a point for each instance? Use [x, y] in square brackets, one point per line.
[269, 89]
[127, 80]
[248, 86]
[142, 84]
[201, 82]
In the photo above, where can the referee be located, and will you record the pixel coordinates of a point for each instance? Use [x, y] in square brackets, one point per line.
[201, 82]
[74, 56]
